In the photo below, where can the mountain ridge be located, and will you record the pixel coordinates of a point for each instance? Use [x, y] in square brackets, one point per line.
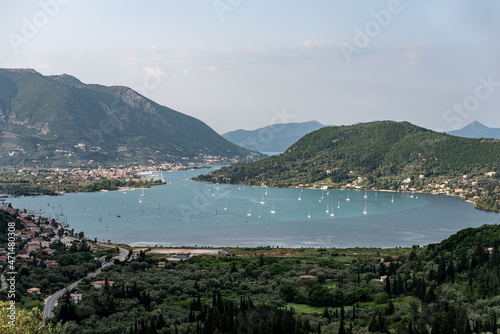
[58, 119]
[272, 138]
[476, 129]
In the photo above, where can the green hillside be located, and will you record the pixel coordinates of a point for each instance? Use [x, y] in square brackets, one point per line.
[380, 155]
[57, 120]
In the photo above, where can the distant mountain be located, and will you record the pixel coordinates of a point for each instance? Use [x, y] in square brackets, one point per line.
[272, 138]
[378, 154]
[477, 130]
[58, 120]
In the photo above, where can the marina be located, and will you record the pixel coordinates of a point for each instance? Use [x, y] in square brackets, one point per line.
[217, 215]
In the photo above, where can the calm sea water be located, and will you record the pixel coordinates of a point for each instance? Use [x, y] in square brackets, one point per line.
[187, 213]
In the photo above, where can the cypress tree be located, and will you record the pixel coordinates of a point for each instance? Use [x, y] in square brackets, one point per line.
[441, 273]
[341, 327]
[388, 285]
[450, 271]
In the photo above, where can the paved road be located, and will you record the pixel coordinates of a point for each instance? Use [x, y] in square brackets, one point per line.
[51, 301]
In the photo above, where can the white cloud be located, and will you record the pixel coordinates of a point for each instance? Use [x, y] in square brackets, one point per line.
[307, 44]
[155, 72]
[410, 58]
[212, 69]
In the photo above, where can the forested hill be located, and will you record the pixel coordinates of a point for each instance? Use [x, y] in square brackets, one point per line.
[381, 155]
[58, 120]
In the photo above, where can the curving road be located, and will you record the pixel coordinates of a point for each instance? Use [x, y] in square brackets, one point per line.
[51, 301]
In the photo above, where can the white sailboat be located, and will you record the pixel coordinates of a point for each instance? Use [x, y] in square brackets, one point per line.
[142, 195]
[272, 211]
[364, 211]
[347, 199]
[266, 191]
[392, 200]
[327, 208]
[100, 218]
[331, 212]
[262, 201]
[259, 213]
[226, 208]
[158, 205]
[140, 200]
[366, 195]
[411, 196]
[300, 199]
[249, 214]
[338, 206]
[309, 215]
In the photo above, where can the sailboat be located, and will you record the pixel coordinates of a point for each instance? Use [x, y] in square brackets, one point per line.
[266, 191]
[226, 208]
[259, 213]
[347, 199]
[272, 211]
[366, 195]
[320, 199]
[141, 210]
[327, 208]
[338, 206]
[249, 214]
[309, 215]
[411, 194]
[158, 204]
[142, 195]
[300, 199]
[364, 211]
[262, 202]
[392, 200]
[140, 200]
[100, 218]
[172, 206]
[331, 212]
[328, 193]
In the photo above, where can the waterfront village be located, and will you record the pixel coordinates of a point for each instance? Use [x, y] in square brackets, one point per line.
[45, 243]
[468, 187]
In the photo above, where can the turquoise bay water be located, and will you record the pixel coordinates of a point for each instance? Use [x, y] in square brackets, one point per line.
[187, 213]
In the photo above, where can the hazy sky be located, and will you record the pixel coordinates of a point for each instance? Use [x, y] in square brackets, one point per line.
[250, 63]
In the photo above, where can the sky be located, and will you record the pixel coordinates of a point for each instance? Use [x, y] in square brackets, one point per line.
[241, 64]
